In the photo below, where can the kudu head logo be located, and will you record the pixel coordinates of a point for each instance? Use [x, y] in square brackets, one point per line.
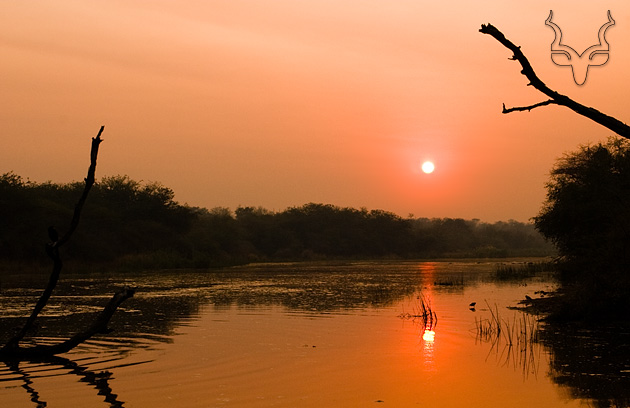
[594, 56]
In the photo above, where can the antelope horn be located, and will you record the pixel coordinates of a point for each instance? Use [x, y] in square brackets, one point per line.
[602, 30]
[555, 45]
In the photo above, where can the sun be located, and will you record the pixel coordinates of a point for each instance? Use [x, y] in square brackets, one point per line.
[428, 167]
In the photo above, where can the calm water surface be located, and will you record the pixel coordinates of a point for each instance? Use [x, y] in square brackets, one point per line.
[303, 335]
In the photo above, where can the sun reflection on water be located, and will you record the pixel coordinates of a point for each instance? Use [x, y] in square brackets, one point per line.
[428, 336]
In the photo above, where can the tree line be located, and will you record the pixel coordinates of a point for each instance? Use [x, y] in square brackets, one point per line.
[140, 225]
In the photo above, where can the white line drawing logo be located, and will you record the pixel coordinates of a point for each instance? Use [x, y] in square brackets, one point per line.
[594, 56]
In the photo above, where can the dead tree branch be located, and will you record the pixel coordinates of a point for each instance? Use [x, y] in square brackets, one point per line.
[555, 98]
[89, 182]
[98, 326]
[526, 108]
[12, 349]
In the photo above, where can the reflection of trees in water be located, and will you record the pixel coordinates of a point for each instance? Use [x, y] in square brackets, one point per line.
[315, 291]
[591, 363]
[164, 300]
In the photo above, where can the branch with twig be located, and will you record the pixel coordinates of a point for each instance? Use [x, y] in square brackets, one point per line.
[555, 98]
[526, 108]
[12, 349]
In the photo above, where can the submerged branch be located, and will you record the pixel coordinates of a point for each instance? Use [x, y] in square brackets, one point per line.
[98, 326]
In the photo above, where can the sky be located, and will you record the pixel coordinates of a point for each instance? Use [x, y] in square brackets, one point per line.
[279, 103]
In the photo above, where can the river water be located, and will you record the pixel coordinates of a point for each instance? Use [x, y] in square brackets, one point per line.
[310, 335]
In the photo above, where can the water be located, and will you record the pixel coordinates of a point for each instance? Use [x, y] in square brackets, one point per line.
[307, 335]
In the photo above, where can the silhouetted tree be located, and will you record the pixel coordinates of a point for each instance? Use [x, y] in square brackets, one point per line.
[587, 216]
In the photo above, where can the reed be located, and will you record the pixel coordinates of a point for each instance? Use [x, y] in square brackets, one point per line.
[519, 271]
[451, 280]
[422, 311]
[515, 341]
[521, 330]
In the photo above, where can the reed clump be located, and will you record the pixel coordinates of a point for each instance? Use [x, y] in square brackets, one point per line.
[520, 330]
[520, 271]
[450, 281]
[422, 311]
[515, 341]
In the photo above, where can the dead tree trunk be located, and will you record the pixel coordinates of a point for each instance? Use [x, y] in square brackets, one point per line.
[13, 350]
[556, 98]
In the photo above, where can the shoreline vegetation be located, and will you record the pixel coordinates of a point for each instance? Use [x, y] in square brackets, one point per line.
[586, 216]
[139, 225]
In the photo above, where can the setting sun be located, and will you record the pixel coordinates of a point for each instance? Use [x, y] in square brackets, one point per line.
[428, 167]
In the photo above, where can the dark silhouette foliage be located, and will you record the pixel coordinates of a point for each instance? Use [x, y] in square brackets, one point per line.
[125, 217]
[587, 217]
[140, 225]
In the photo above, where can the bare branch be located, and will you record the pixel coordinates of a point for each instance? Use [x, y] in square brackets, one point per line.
[558, 99]
[527, 108]
[12, 348]
[89, 182]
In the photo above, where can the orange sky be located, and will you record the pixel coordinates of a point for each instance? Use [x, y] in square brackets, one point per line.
[280, 103]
